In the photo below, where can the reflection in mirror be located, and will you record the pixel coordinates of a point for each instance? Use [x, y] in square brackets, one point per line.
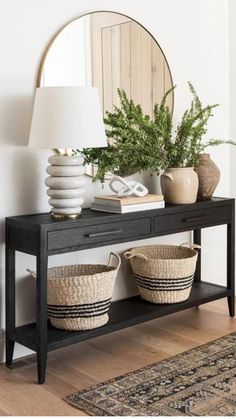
[109, 51]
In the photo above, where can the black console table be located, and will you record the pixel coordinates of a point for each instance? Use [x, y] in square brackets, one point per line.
[42, 236]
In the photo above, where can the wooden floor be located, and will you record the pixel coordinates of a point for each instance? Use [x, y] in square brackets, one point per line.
[105, 357]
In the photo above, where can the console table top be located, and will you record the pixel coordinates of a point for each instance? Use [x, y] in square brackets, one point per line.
[88, 215]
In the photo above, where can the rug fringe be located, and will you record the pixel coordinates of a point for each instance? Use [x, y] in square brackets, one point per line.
[84, 408]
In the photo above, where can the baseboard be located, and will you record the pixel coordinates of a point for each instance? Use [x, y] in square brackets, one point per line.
[2, 345]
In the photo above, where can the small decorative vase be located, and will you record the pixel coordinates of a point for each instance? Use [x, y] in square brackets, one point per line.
[208, 176]
[153, 183]
[179, 185]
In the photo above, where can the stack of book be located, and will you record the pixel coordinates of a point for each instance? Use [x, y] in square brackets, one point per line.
[112, 203]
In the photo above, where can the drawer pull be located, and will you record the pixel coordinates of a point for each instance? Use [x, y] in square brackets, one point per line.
[200, 217]
[104, 233]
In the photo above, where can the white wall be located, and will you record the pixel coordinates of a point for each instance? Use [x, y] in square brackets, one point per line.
[65, 68]
[232, 74]
[194, 37]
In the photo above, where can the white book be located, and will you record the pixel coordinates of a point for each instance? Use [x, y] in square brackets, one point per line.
[127, 200]
[128, 208]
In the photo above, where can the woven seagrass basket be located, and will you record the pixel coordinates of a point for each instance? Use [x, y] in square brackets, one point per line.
[79, 296]
[164, 273]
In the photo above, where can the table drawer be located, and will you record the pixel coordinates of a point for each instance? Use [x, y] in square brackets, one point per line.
[191, 219]
[71, 237]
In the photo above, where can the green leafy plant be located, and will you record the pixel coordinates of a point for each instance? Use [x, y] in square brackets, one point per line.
[186, 143]
[137, 142]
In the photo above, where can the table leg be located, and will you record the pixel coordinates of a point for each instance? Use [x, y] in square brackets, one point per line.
[197, 238]
[10, 303]
[231, 265]
[41, 314]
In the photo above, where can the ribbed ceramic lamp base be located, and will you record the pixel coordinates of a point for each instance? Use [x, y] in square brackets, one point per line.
[66, 186]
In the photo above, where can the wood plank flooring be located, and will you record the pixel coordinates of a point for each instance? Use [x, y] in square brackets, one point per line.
[105, 357]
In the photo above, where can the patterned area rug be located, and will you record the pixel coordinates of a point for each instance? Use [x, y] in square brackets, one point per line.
[199, 382]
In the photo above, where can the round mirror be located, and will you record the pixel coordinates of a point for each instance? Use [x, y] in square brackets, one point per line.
[109, 51]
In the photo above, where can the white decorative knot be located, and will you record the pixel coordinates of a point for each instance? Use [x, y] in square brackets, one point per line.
[123, 188]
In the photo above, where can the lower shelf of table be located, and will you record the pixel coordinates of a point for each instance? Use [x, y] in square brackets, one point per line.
[122, 314]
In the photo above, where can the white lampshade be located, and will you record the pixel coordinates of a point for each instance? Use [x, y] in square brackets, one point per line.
[67, 117]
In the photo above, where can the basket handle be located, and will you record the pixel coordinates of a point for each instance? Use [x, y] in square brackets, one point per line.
[190, 245]
[118, 259]
[130, 255]
[32, 273]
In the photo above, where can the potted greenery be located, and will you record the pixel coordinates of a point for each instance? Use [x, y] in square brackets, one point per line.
[135, 141]
[138, 142]
[180, 182]
[190, 173]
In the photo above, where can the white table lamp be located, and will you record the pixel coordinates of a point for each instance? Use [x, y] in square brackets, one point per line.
[66, 118]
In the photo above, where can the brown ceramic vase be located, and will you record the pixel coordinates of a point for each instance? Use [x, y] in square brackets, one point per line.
[208, 176]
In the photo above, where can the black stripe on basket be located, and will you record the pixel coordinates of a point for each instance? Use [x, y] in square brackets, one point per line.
[87, 305]
[164, 284]
[79, 310]
[148, 287]
[164, 280]
[158, 286]
[76, 316]
[78, 313]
